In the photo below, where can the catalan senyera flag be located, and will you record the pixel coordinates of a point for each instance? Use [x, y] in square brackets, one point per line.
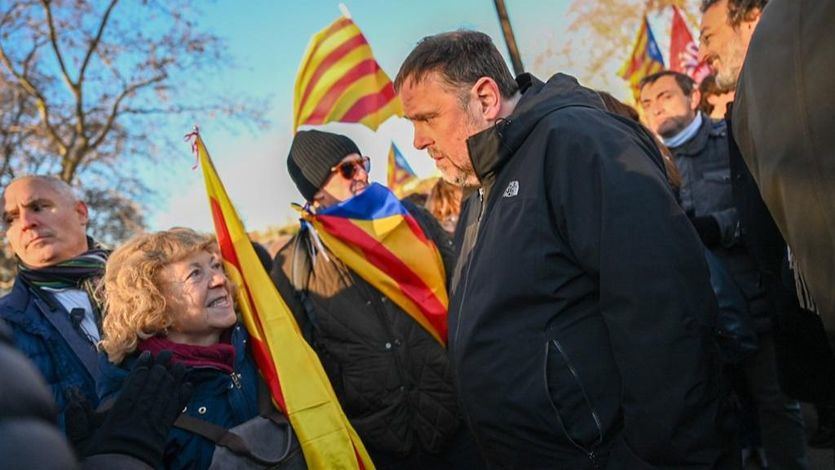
[290, 368]
[684, 53]
[375, 236]
[400, 174]
[645, 59]
[339, 80]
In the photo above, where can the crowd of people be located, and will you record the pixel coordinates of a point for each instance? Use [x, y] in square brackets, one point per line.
[622, 294]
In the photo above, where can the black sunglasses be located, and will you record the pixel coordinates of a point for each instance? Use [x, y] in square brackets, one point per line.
[349, 169]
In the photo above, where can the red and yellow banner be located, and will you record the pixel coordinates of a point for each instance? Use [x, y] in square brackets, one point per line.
[340, 81]
[289, 366]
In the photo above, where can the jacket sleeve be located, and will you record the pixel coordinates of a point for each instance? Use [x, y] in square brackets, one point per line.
[612, 205]
[728, 221]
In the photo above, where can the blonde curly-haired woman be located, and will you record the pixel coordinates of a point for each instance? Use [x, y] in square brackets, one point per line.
[167, 291]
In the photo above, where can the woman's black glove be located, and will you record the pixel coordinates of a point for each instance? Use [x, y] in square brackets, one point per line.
[153, 396]
[708, 229]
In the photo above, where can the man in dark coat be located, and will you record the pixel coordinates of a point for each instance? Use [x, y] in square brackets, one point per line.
[784, 122]
[392, 377]
[773, 54]
[53, 318]
[700, 150]
[581, 310]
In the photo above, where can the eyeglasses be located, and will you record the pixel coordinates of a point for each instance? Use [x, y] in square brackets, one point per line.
[349, 169]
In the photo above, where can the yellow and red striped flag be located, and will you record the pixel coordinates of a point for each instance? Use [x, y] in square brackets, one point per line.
[646, 59]
[340, 81]
[290, 368]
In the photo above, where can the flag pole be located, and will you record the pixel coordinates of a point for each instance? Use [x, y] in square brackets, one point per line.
[344, 9]
[509, 38]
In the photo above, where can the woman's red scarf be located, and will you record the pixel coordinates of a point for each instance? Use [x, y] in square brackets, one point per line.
[219, 356]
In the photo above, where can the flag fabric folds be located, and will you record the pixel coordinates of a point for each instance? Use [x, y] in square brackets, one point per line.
[645, 59]
[377, 238]
[339, 80]
[401, 177]
[684, 52]
[290, 368]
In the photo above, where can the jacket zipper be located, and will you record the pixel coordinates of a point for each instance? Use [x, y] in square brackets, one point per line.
[590, 453]
[470, 261]
[236, 379]
[464, 296]
[594, 463]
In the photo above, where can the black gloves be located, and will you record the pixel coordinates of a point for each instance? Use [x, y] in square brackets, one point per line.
[151, 399]
[708, 229]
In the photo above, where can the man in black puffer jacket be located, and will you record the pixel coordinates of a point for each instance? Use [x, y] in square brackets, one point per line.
[580, 305]
[392, 378]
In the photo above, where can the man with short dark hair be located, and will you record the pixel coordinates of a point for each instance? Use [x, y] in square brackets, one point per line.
[392, 377]
[700, 151]
[580, 306]
[54, 318]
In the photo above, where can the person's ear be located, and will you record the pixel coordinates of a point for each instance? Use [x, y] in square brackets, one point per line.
[695, 100]
[82, 211]
[488, 97]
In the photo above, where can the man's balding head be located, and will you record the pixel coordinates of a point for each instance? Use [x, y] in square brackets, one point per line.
[44, 221]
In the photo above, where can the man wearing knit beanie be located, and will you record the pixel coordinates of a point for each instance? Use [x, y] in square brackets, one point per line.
[392, 377]
[320, 165]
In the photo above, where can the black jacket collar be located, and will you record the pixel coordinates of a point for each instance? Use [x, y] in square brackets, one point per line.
[491, 148]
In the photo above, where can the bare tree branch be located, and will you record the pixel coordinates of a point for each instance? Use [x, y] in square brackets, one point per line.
[53, 39]
[95, 42]
[33, 91]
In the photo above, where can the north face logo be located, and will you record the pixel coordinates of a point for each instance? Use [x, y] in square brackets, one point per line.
[512, 189]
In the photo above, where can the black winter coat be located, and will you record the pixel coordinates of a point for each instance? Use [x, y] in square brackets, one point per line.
[581, 304]
[784, 123]
[392, 378]
[805, 361]
[707, 189]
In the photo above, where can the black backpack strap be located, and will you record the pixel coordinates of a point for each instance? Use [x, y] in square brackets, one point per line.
[225, 438]
[300, 271]
[217, 434]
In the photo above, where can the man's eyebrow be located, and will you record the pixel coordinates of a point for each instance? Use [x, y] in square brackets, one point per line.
[28, 204]
[422, 116]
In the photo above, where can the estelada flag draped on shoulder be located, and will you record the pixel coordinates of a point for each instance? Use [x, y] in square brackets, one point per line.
[646, 59]
[291, 369]
[339, 80]
[400, 174]
[375, 236]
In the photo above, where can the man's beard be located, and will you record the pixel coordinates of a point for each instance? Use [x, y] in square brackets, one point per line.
[454, 174]
[673, 126]
[727, 78]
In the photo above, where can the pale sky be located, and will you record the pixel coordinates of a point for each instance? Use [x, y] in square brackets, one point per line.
[267, 39]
